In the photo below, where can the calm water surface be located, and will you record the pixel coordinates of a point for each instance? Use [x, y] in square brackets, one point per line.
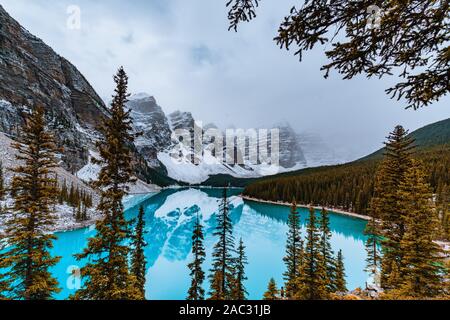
[170, 217]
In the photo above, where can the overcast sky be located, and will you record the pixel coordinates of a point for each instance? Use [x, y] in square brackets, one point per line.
[181, 52]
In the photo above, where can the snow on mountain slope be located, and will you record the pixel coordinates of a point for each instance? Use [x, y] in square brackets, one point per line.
[149, 119]
[90, 173]
[65, 214]
[159, 146]
[172, 224]
[317, 152]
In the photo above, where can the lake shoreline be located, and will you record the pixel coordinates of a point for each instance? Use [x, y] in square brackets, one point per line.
[286, 204]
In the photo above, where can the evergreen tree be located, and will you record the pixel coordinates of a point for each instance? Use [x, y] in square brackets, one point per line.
[238, 291]
[272, 292]
[79, 213]
[28, 257]
[312, 283]
[84, 214]
[327, 254]
[63, 196]
[443, 207]
[422, 258]
[138, 261]
[221, 277]
[294, 251]
[106, 275]
[386, 203]
[340, 283]
[196, 291]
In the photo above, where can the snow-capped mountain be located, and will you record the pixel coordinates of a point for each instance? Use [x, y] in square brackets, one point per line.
[316, 151]
[162, 149]
[149, 119]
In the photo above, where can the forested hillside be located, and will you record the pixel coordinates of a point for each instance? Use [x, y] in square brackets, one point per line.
[350, 186]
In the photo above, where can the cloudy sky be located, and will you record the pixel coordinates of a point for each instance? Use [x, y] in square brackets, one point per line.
[181, 52]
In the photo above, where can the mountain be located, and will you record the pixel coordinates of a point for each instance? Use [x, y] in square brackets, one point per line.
[350, 186]
[432, 135]
[182, 163]
[32, 74]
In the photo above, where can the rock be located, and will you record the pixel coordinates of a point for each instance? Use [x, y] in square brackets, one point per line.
[32, 74]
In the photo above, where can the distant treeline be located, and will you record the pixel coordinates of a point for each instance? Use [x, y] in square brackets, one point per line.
[349, 186]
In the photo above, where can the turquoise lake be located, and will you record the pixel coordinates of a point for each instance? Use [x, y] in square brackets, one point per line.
[170, 217]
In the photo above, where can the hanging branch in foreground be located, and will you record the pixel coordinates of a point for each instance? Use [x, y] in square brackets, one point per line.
[241, 11]
[366, 37]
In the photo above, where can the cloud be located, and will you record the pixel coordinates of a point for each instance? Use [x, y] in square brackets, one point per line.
[181, 52]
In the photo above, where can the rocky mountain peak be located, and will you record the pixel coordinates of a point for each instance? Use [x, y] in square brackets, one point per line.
[32, 74]
[181, 120]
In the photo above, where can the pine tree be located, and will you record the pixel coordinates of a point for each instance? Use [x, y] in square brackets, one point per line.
[84, 214]
[63, 196]
[72, 196]
[2, 183]
[28, 258]
[221, 277]
[386, 202]
[5, 284]
[340, 283]
[443, 207]
[312, 283]
[196, 291]
[138, 262]
[106, 275]
[294, 251]
[238, 291]
[272, 292]
[327, 254]
[422, 258]
[373, 242]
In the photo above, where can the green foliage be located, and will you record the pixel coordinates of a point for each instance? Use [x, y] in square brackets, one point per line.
[386, 201]
[357, 47]
[222, 273]
[138, 261]
[272, 292]
[294, 252]
[5, 285]
[349, 187]
[327, 255]
[196, 291]
[373, 243]
[312, 281]
[77, 198]
[106, 275]
[238, 291]
[340, 284]
[28, 259]
[241, 11]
